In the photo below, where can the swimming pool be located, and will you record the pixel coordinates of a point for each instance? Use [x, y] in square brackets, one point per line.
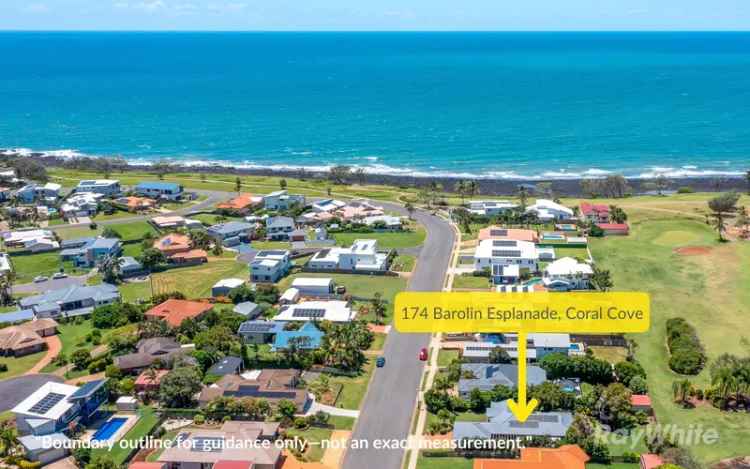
[533, 281]
[109, 428]
[553, 237]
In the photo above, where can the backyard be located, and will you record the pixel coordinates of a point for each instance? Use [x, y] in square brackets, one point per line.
[120, 452]
[386, 240]
[707, 289]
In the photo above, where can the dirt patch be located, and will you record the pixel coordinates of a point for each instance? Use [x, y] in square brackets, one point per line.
[693, 251]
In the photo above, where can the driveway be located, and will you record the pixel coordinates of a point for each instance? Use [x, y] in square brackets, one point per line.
[53, 349]
[14, 390]
[51, 284]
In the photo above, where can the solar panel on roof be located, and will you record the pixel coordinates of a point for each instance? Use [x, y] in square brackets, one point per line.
[503, 242]
[504, 253]
[544, 418]
[256, 327]
[526, 424]
[46, 403]
[499, 232]
[208, 443]
[309, 313]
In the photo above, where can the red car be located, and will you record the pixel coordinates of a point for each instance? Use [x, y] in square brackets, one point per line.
[423, 354]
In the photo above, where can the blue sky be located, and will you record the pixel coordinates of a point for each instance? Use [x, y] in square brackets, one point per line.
[358, 15]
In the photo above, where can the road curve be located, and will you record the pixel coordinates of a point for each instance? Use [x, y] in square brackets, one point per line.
[387, 410]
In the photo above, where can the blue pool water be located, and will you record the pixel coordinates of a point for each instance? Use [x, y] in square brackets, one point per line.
[533, 281]
[109, 428]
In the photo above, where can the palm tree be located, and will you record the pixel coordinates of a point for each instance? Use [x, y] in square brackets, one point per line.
[601, 279]
[724, 383]
[523, 196]
[110, 268]
[409, 209]
[6, 290]
[681, 390]
[237, 185]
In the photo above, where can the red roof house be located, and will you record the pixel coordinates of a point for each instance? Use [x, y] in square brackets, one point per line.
[147, 465]
[641, 402]
[598, 213]
[175, 311]
[564, 457]
[614, 228]
[144, 382]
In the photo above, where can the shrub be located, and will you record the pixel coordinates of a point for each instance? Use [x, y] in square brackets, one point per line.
[685, 190]
[199, 419]
[686, 353]
[3, 367]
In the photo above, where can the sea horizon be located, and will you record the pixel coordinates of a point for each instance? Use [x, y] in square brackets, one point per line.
[477, 104]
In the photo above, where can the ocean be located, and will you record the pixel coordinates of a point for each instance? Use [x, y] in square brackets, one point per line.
[494, 105]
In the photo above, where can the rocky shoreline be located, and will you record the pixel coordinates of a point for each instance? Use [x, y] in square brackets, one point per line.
[560, 187]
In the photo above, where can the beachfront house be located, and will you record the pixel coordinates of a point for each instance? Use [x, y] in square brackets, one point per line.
[80, 204]
[270, 265]
[231, 233]
[327, 205]
[502, 424]
[485, 376]
[548, 210]
[44, 193]
[334, 311]
[242, 204]
[91, 252]
[107, 187]
[506, 259]
[54, 406]
[595, 213]
[490, 208]
[314, 286]
[362, 256]
[159, 190]
[279, 228]
[259, 331]
[567, 274]
[73, 300]
[538, 345]
[282, 200]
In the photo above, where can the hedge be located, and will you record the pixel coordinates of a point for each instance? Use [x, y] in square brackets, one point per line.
[687, 356]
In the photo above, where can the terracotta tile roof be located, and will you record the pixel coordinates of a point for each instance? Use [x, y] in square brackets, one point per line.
[173, 243]
[146, 465]
[510, 233]
[241, 201]
[189, 255]
[143, 379]
[590, 209]
[564, 457]
[224, 464]
[640, 400]
[175, 311]
[650, 461]
[614, 226]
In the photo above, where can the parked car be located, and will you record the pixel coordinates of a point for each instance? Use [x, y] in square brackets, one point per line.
[40, 279]
[423, 354]
[59, 275]
[340, 289]
[380, 362]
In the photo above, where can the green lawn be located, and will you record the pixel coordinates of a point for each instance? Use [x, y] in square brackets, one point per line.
[394, 240]
[143, 427]
[708, 290]
[613, 355]
[212, 219]
[445, 357]
[403, 263]
[29, 266]
[354, 388]
[133, 230]
[314, 435]
[378, 342]
[259, 245]
[424, 462]
[359, 286]
[20, 365]
[471, 281]
[617, 465]
[568, 251]
[193, 282]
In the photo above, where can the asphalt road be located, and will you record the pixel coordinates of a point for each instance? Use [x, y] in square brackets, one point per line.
[387, 410]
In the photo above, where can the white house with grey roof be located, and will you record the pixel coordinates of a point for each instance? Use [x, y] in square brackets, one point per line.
[270, 265]
[538, 345]
[490, 208]
[363, 255]
[279, 228]
[548, 210]
[567, 274]
[334, 311]
[487, 376]
[507, 259]
[282, 200]
[502, 424]
[231, 233]
[108, 187]
[73, 300]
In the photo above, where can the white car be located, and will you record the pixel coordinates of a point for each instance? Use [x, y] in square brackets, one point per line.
[59, 275]
[40, 279]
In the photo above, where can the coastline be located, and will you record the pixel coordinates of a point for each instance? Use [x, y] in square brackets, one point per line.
[487, 186]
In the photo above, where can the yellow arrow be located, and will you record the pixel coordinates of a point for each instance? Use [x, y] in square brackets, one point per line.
[522, 409]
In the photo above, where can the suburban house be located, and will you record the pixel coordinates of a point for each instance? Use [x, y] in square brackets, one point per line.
[242, 204]
[279, 228]
[270, 266]
[487, 376]
[564, 457]
[307, 337]
[5, 266]
[174, 311]
[272, 385]
[73, 300]
[383, 222]
[327, 205]
[108, 187]
[282, 200]
[538, 345]
[547, 210]
[175, 221]
[363, 255]
[203, 448]
[231, 233]
[134, 204]
[91, 252]
[313, 286]
[616, 229]
[80, 204]
[248, 309]
[506, 259]
[46, 193]
[129, 267]
[53, 406]
[163, 350]
[502, 424]
[567, 274]
[192, 257]
[490, 208]
[259, 332]
[47, 449]
[499, 232]
[641, 403]
[159, 190]
[225, 286]
[314, 218]
[172, 244]
[290, 296]
[38, 240]
[595, 213]
[358, 210]
[298, 235]
[226, 366]
[26, 338]
[334, 311]
[149, 380]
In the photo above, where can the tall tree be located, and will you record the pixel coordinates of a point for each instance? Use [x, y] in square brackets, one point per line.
[409, 209]
[110, 268]
[601, 279]
[237, 185]
[723, 206]
[523, 196]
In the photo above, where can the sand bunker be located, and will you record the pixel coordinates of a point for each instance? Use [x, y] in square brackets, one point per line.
[693, 250]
